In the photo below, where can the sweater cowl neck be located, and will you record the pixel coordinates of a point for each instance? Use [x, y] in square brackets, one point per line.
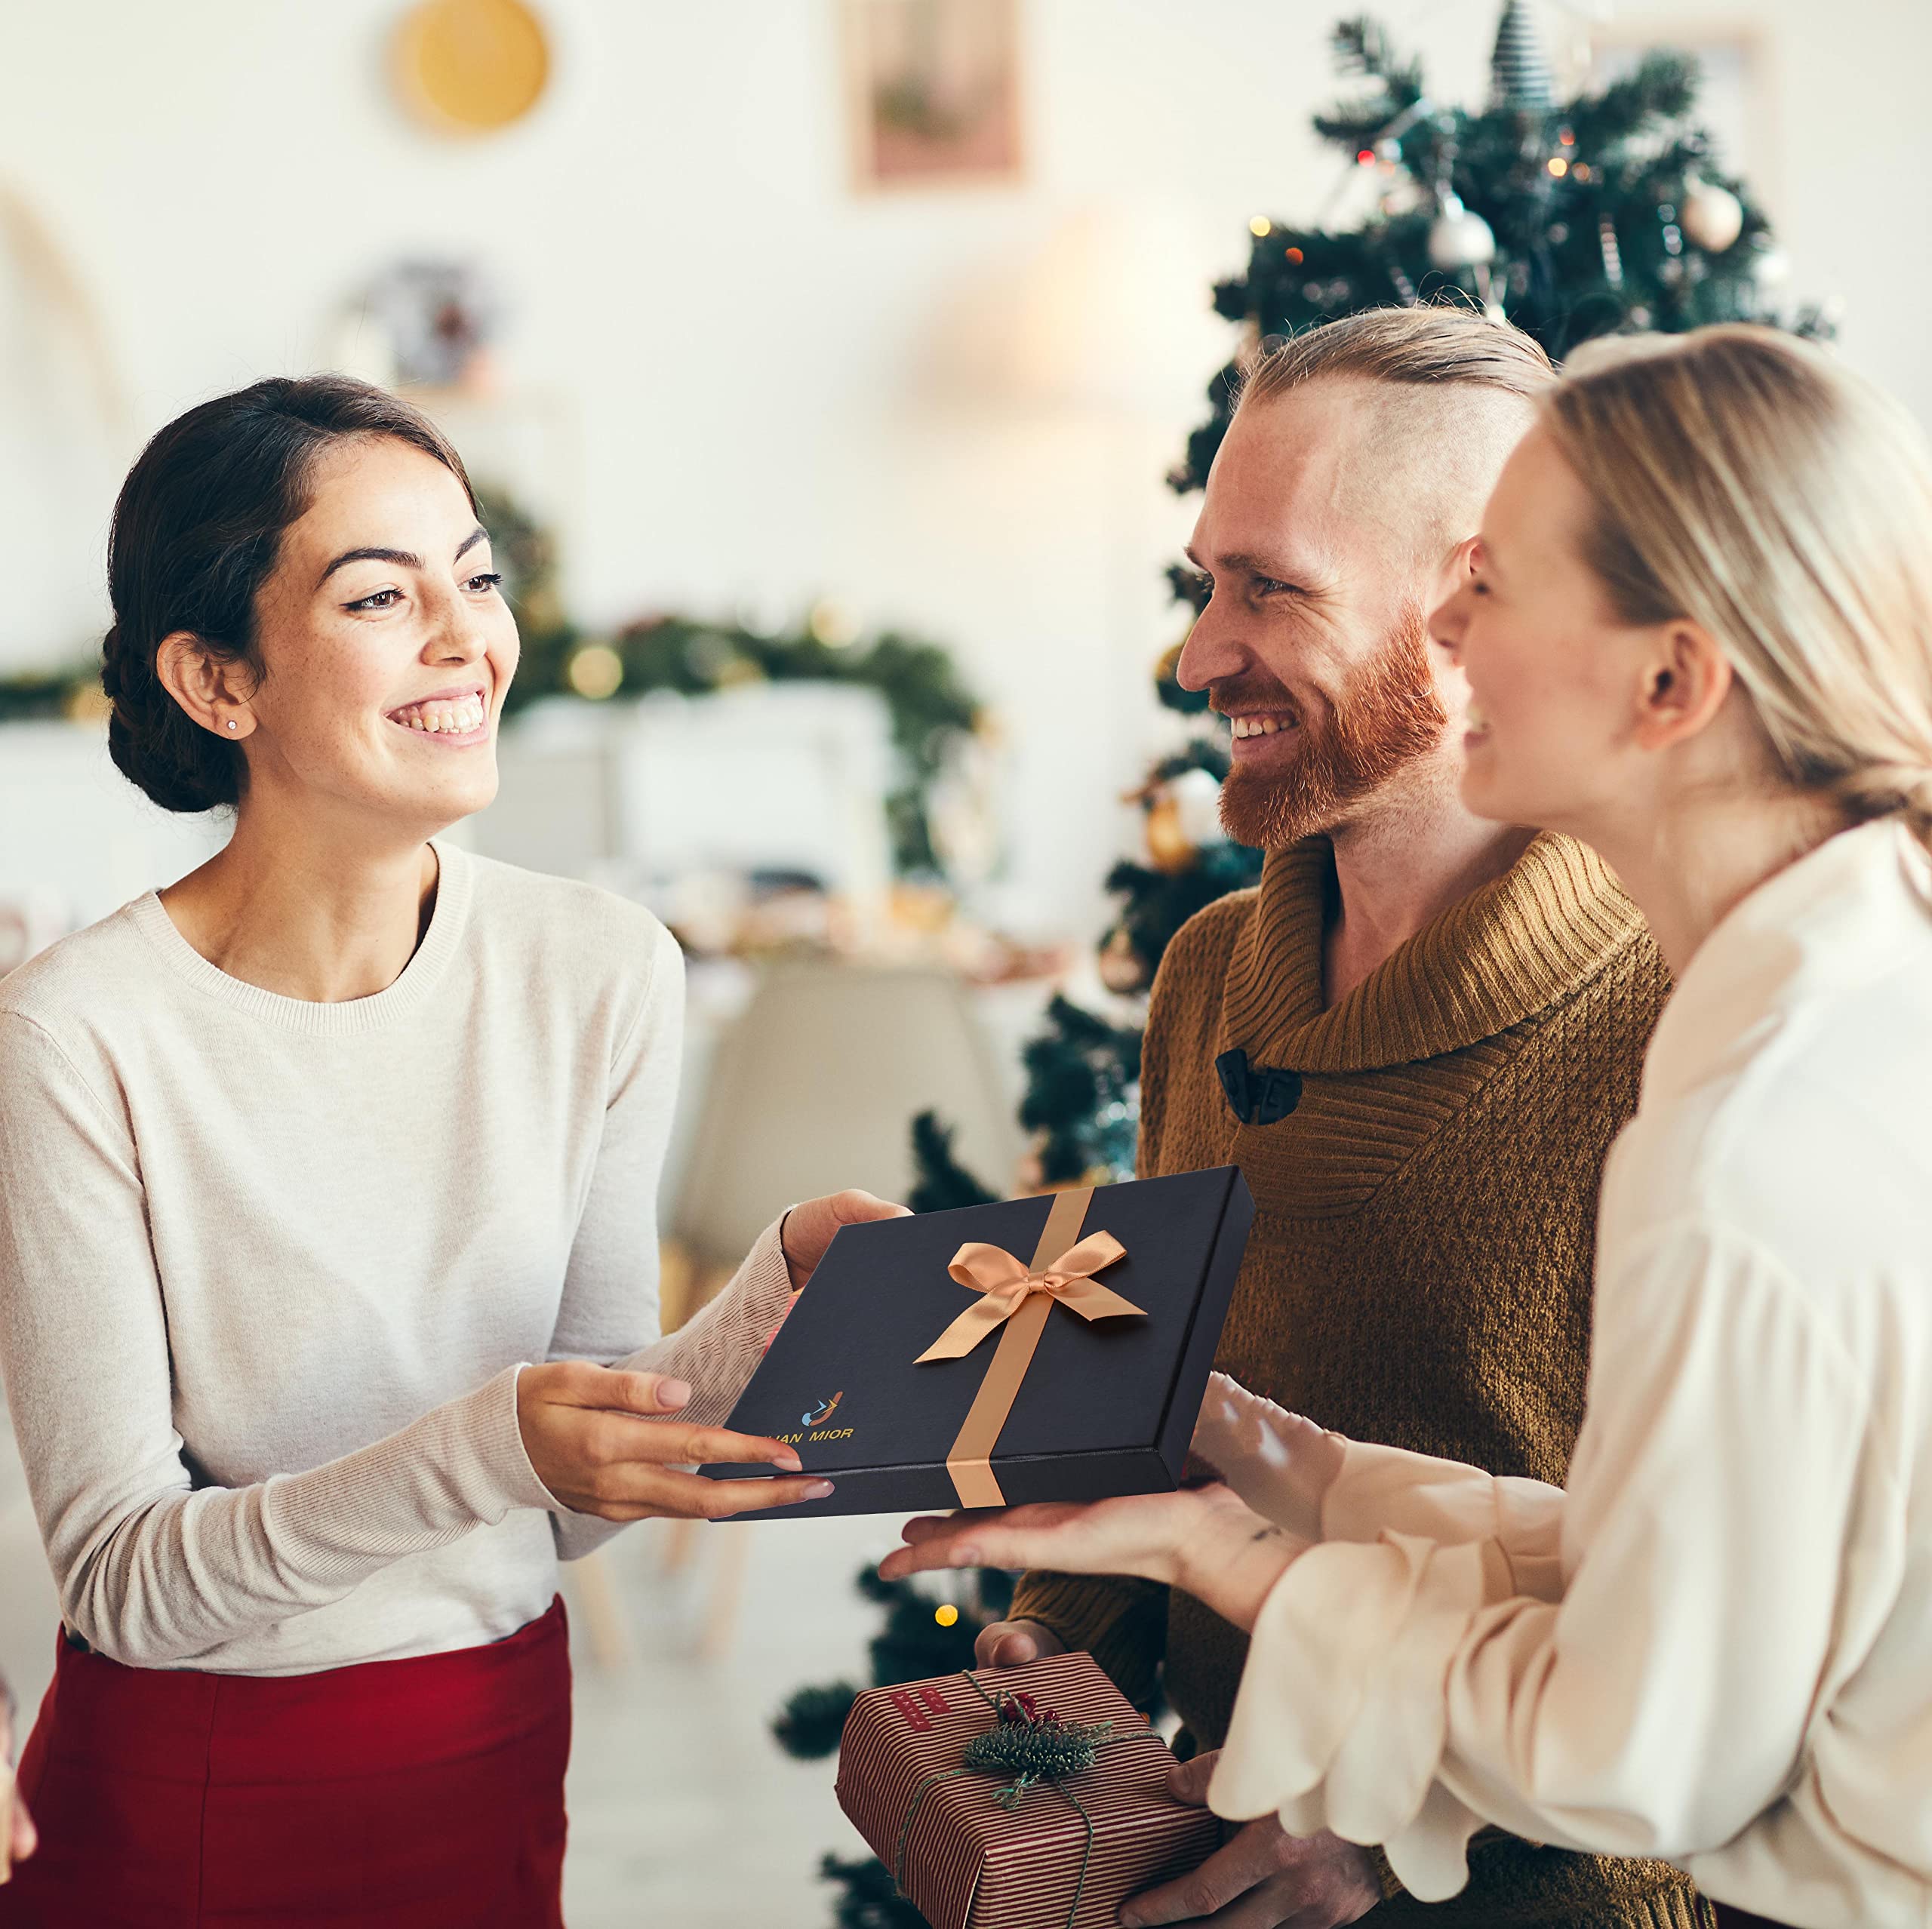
[1536, 934]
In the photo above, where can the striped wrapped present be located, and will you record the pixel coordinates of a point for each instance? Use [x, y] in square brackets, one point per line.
[1029, 1797]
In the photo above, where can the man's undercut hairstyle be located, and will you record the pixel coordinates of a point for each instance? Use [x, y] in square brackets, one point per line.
[1447, 393]
[1429, 346]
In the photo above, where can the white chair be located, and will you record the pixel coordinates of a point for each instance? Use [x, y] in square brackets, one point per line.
[814, 1087]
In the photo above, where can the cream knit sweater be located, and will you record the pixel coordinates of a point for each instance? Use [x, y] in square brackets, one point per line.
[269, 1270]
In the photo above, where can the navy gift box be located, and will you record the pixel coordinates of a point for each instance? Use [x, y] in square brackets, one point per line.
[1045, 1404]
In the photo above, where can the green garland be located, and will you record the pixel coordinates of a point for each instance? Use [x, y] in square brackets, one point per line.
[930, 708]
[51, 693]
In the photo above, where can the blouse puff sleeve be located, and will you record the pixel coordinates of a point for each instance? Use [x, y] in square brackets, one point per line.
[84, 1344]
[1629, 1668]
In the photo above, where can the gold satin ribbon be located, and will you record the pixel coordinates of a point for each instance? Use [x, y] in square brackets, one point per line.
[1017, 1300]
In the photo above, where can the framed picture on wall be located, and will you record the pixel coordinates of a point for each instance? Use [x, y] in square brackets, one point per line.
[934, 92]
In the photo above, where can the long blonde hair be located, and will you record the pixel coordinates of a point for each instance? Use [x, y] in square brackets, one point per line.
[1746, 481]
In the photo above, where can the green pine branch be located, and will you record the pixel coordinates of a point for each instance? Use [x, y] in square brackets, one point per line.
[939, 1182]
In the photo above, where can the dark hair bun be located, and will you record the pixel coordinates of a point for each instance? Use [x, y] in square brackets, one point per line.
[155, 745]
[196, 533]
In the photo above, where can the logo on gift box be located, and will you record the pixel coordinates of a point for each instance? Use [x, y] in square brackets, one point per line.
[813, 1419]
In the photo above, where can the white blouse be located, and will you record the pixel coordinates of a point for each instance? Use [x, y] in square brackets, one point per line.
[1716, 1646]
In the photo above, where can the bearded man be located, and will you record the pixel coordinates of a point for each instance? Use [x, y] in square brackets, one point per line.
[1417, 1037]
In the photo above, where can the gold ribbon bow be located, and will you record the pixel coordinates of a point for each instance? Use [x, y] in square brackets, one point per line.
[1007, 1285]
[1017, 1299]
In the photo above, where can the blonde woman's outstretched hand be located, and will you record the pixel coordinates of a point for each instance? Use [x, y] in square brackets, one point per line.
[1202, 1540]
[17, 1839]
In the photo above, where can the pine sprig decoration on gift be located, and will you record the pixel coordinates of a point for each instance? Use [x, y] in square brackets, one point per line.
[1033, 1746]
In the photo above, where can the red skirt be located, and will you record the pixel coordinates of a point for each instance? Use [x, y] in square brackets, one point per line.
[421, 1794]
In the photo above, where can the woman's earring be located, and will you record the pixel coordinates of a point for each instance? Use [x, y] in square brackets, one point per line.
[233, 725]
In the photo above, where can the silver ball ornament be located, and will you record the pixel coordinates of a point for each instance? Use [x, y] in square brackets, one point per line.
[1460, 238]
[1713, 216]
[1197, 796]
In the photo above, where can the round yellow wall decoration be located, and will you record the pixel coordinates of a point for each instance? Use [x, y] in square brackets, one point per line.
[472, 66]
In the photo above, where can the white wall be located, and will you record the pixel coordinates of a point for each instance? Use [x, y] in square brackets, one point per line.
[759, 388]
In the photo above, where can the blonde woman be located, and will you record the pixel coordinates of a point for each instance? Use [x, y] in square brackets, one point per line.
[328, 1183]
[1698, 632]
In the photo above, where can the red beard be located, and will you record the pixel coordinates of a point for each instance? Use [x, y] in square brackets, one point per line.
[1386, 716]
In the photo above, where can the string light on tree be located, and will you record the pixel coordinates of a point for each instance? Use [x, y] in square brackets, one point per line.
[596, 671]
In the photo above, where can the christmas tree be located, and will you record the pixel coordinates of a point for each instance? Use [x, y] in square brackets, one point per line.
[1607, 213]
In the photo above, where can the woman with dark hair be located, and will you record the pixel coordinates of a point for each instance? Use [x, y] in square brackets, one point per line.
[327, 1227]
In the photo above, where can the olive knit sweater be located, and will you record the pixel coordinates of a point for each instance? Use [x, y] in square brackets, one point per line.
[1419, 1273]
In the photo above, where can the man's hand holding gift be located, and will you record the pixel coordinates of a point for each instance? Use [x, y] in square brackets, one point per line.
[1262, 1877]
[1206, 1541]
[600, 1437]
[1013, 1644]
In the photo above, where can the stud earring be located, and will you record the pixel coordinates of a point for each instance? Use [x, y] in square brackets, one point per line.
[233, 725]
